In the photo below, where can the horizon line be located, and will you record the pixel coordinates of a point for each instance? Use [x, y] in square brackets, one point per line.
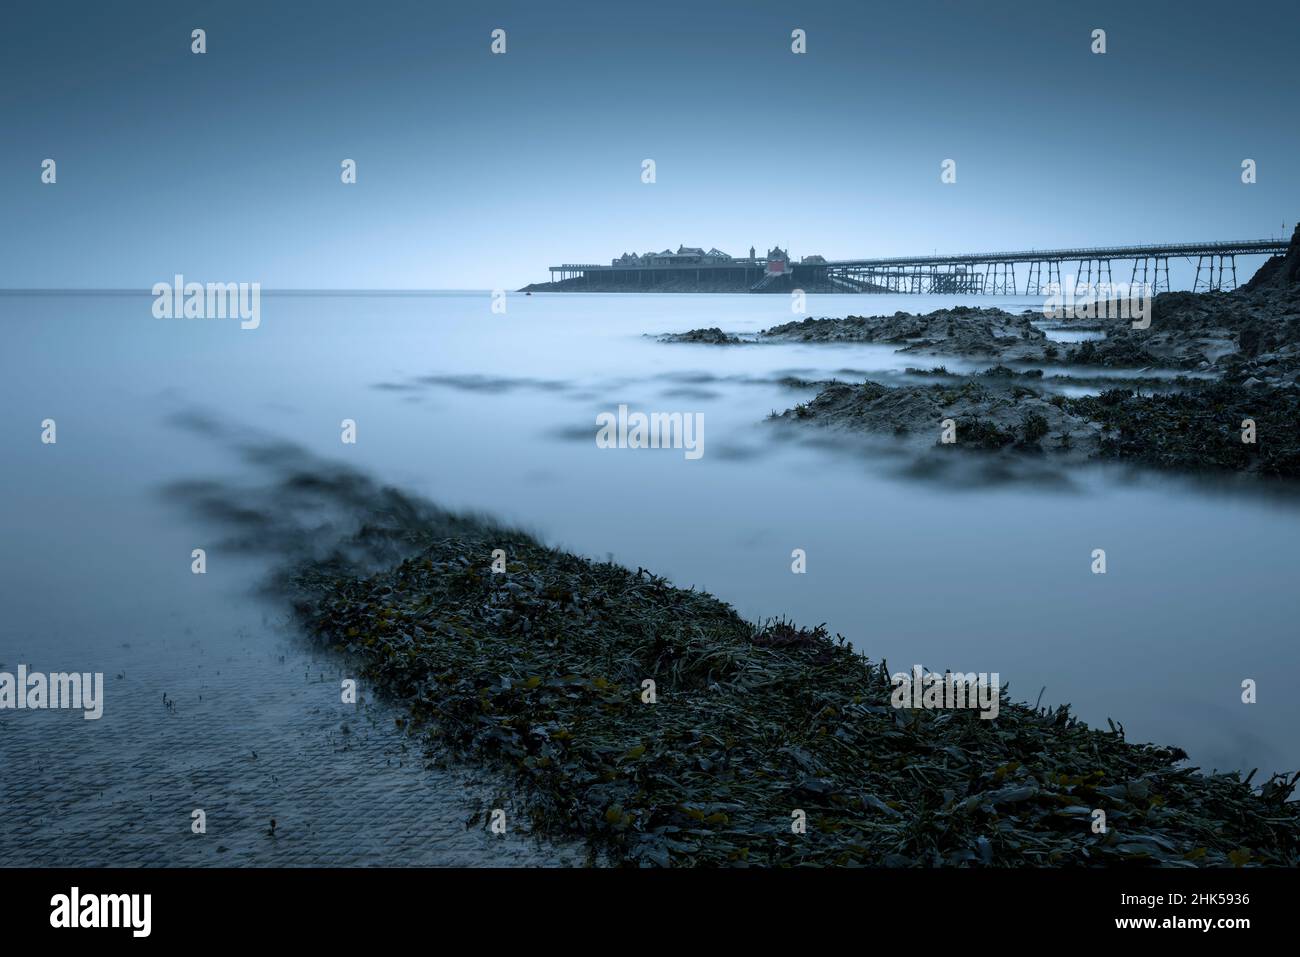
[147, 291]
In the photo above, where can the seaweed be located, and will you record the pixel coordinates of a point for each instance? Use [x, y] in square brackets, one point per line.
[541, 672]
[1033, 428]
[986, 435]
[1199, 428]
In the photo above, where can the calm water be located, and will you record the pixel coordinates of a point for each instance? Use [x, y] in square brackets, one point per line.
[496, 413]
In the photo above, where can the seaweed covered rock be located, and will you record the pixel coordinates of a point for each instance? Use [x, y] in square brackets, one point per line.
[1200, 427]
[712, 336]
[665, 729]
[962, 331]
[991, 412]
[1193, 426]
[1124, 350]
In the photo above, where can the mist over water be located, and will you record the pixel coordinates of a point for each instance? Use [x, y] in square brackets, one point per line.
[965, 568]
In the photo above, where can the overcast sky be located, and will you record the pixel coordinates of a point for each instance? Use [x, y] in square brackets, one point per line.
[478, 171]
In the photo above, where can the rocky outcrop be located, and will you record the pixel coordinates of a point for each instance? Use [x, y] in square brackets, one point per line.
[986, 414]
[1253, 332]
[712, 336]
[963, 331]
[1200, 426]
[1280, 272]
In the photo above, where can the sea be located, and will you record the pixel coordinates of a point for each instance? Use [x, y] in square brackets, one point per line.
[214, 703]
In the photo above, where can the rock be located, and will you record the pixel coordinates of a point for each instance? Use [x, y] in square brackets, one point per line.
[1279, 272]
[1196, 428]
[963, 331]
[988, 417]
[712, 336]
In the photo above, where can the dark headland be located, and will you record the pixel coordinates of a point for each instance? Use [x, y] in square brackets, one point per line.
[690, 269]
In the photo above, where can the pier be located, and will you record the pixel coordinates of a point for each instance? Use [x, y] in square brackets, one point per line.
[1024, 272]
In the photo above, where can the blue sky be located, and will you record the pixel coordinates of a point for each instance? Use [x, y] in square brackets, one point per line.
[479, 171]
